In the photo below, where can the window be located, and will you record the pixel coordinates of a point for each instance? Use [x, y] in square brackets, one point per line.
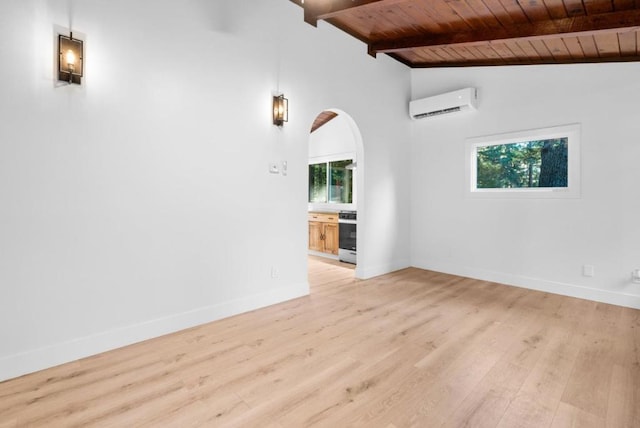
[318, 183]
[331, 182]
[542, 163]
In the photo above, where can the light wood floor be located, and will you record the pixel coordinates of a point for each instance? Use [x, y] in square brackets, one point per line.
[409, 349]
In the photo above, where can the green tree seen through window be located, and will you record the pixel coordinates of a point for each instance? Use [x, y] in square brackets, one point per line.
[331, 182]
[537, 163]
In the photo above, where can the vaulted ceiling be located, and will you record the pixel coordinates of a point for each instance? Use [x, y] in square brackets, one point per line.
[446, 33]
[322, 119]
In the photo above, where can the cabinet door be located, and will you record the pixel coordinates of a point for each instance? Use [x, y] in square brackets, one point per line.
[331, 238]
[315, 236]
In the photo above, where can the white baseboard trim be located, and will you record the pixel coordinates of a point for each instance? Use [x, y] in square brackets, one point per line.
[38, 359]
[366, 272]
[325, 255]
[561, 288]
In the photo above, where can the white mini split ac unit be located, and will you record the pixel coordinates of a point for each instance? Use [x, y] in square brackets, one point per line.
[451, 102]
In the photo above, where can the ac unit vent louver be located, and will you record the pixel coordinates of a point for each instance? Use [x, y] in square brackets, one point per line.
[451, 102]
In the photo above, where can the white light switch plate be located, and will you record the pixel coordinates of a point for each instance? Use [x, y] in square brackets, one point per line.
[273, 168]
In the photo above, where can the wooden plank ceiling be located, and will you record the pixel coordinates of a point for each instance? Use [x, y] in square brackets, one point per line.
[322, 119]
[445, 33]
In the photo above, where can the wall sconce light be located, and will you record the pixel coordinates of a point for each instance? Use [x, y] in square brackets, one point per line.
[280, 110]
[70, 59]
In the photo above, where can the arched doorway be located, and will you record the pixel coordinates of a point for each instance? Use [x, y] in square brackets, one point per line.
[335, 135]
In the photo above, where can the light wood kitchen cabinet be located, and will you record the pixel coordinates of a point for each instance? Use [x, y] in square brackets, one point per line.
[323, 232]
[315, 236]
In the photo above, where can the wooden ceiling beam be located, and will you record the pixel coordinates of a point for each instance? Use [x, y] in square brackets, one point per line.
[580, 25]
[315, 10]
[522, 61]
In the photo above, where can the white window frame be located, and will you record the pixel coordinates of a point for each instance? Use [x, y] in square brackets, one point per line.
[571, 132]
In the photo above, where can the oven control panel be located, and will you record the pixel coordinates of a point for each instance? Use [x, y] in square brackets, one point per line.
[348, 215]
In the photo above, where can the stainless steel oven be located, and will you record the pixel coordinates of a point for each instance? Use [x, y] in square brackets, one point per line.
[347, 248]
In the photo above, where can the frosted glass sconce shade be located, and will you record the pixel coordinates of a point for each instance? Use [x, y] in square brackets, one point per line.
[280, 110]
[70, 59]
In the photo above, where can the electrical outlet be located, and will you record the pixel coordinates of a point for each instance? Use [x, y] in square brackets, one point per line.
[273, 168]
[275, 272]
[588, 270]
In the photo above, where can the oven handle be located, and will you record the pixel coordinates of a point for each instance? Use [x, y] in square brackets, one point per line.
[347, 221]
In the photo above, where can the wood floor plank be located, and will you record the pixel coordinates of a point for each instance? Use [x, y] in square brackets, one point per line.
[487, 403]
[569, 416]
[9, 423]
[623, 408]
[355, 388]
[536, 402]
[314, 391]
[591, 393]
[409, 349]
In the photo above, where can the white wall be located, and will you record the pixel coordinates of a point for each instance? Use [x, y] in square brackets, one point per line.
[333, 138]
[141, 203]
[539, 243]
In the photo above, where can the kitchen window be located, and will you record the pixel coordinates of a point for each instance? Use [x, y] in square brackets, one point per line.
[331, 182]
